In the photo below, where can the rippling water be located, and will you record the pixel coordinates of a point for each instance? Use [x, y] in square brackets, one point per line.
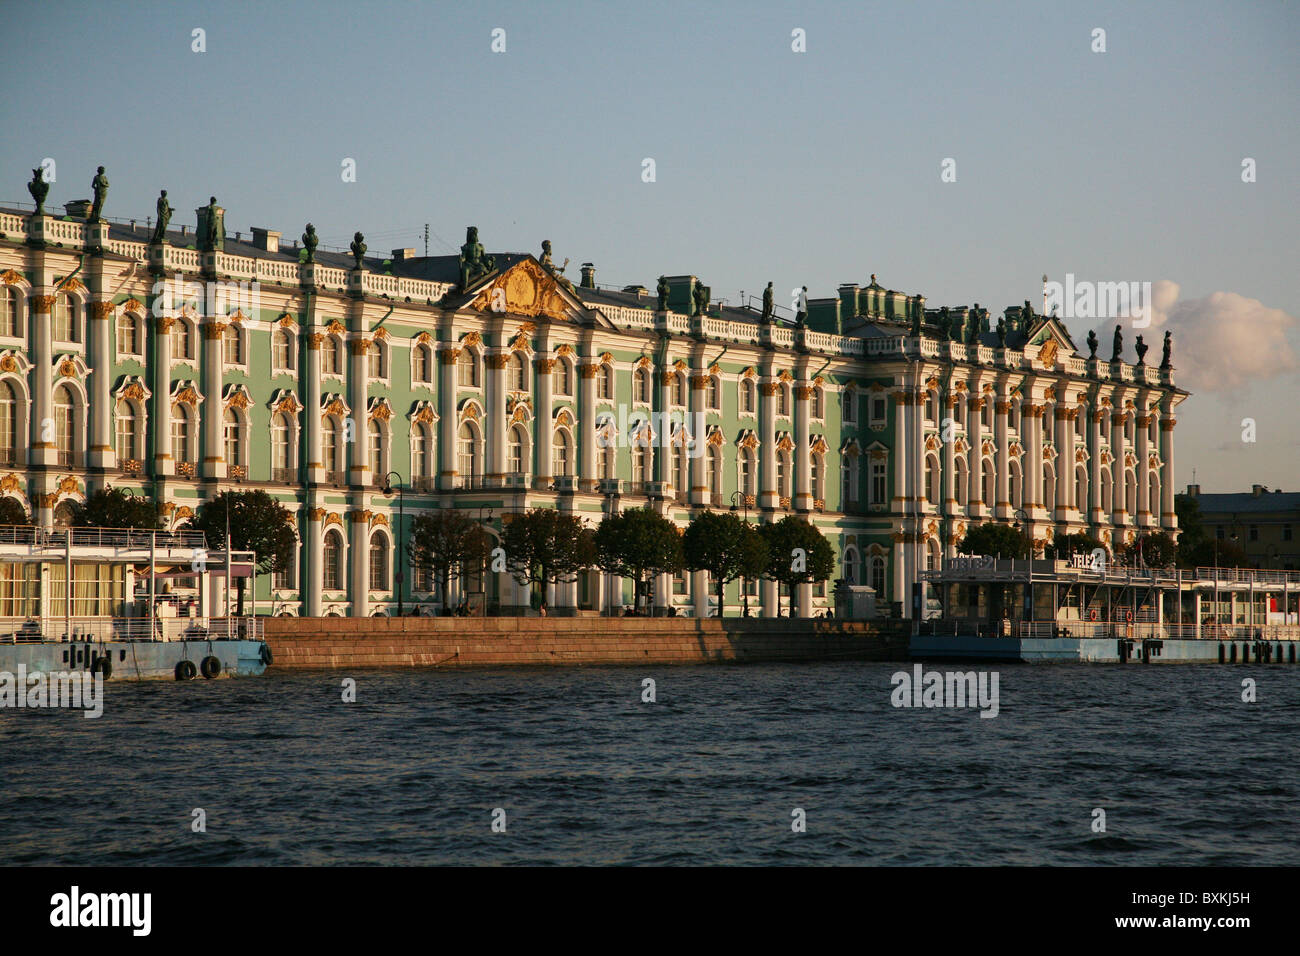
[588, 774]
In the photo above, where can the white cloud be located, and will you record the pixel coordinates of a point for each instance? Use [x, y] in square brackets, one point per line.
[1221, 342]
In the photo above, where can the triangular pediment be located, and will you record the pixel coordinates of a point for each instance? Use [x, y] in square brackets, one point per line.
[528, 289]
[1048, 328]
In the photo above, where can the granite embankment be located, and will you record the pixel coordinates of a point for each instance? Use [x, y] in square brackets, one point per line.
[302, 643]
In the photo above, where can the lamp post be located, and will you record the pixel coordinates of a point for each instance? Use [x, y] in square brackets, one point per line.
[744, 581]
[399, 576]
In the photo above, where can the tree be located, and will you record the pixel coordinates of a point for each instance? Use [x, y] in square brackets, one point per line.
[443, 541]
[544, 546]
[1066, 546]
[996, 540]
[797, 554]
[1192, 540]
[1157, 550]
[258, 523]
[115, 508]
[725, 546]
[638, 544]
[12, 511]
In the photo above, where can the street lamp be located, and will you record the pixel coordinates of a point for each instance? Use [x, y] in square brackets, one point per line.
[744, 581]
[401, 530]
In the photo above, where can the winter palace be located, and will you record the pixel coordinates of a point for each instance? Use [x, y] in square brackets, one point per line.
[361, 390]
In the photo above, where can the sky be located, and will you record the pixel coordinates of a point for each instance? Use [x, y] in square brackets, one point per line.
[809, 167]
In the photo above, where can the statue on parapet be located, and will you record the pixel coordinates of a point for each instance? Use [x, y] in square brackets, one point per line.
[309, 243]
[663, 290]
[100, 185]
[39, 189]
[1117, 347]
[164, 217]
[769, 307]
[358, 248]
[549, 265]
[1002, 333]
[1092, 343]
[1141, 348]
[801, 313]
[1166, 360]
[474, 263]
[945, 323]
[701, 296]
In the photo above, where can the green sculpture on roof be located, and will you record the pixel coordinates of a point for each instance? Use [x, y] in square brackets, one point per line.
[39, 189]
[1166, 360]
[358, 248]
[663, 290]
[309, 243]
[474, 263]
[1092, 343]
[1141, 348]
[164, 217]
[701, 298]
[769, 308]
[1002, 333]
[1117, 346]
[100, 185]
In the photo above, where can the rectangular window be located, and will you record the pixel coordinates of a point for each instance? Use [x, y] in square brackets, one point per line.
[878, 483]
[1286, 532]
[1254, 532]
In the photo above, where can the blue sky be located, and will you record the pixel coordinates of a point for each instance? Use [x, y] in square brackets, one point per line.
[811, 168]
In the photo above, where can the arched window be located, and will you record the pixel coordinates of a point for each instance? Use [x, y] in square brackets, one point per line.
[467, 455]
[1130, 492]
[182, 433]
[848, 482]
[182, 336]
[517, 373]
[986, 414]
[713, 393]
[817, 474]
[1080, 421]
[1017, 501]
[1153, 493]
[560, 446]
[931, 406]
[849, 405]
[281, 465]
[988, 477]
[285, 578]
[377, 356]
[9, 443]
[850, 563]
[516, 446]
[128, 338]
[962, 481]
[378, 448]
[329, 355]
[1013, 415]
[679, 477]
[10, 313]
[748, 473]
[64, 427]
[65, 318]
[331, 560]
[562, 377]
[605, 382]
[747, 396]
[233, 433]
[232, 345]
[64, 515]
[878, 575]
[607, 463]
[331, 447]
[1080, 488]
[783, 474]
[379, 562]
[641, 385]
[1106, 496]
[422, 363]
[1049, 488]
[281, 353]
[467, 369]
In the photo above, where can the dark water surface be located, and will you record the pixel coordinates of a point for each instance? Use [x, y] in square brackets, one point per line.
[588, 774]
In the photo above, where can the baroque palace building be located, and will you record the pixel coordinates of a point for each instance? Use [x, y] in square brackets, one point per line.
[180, 363]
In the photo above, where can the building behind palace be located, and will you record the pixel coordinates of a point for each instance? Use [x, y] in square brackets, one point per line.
[178, 370]
[1262, 522]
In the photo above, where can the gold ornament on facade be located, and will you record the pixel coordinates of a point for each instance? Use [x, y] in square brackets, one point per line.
[785, 376]
[8, 364]
[424, 338]
[768, 388]
[73, 285]
[527, 290]
[382, 412]
[359, 516]
[9, 277]
[448, 356]
[643, 362]
[163, 323]
[519, 415]
[470, 412]
[43, 303]
[700, 381]
[680, 365]
[425, 415]
[134, 391]
[359, 346]
[819, 445]
[10, 484]
[749, 441]
[785, 444]
[188, 395]
[1047, 354]
[564, 349]
[288, 404]
[803, 392]
[316, 514]
[49, 501]
[238, 399]
[564, 418]
[68, 368]
[336, 327]
[336, 407]
[588, 371]
[471, 339]
[749, 372]
[101, 310]
[333, 518]
[213, 330]
[381, 334]
[377, 519]
[546, 366]
[497, 362]
[716, 438]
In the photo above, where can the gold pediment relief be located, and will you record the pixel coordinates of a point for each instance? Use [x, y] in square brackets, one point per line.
[526, 289]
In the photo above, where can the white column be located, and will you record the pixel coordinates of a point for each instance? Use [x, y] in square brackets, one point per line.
[1064, 441]
[1096, 415]
[1144, 502]
[314, 574]
[102, 453]
[801, 460]
[359, 563]
[160, 419]
[496, 419]
[311, 415]
[544, 443]
[974, 459]
[43, 452]
[698, 480]
[1117, 489]
[211, 413]
[586, 430]
[899, 503]
[1001, 437]
[1168, 517]
[447, 424]
[769, 495]
[949, 506]
[359, 466]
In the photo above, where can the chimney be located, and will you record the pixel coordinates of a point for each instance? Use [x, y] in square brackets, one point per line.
[588, 275]
[399, 254]
[1257, 490]
[1193, 491]
[267, 239]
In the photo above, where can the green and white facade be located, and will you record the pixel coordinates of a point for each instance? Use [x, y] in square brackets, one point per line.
[179, 373]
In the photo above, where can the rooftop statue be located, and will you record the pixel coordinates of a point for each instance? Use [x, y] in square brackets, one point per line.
[769, 307]
[1002, 333]
[473, 261]
[973, 326]
[215, 227]
[945, 323]
[701, 295]
[100, 185]
[1141, 348]
[309, 242]
[549, 265]
[663, 290]
[916, 319]
[1118, 345]
[39, 189]
[164, 217]
[1166, 358]
[1092, 343]
[358, 248]
[801, 316]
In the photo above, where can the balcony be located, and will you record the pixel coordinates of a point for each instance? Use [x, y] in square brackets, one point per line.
[335, 476]
[238, 473]
[284, 476]
[424, 483]
[185, 469]
[132, 467]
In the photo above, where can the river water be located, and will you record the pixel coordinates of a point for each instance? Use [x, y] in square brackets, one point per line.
[712, 772]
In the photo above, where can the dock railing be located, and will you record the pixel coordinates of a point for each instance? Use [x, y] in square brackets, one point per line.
[1113, 630]
[101, 629]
